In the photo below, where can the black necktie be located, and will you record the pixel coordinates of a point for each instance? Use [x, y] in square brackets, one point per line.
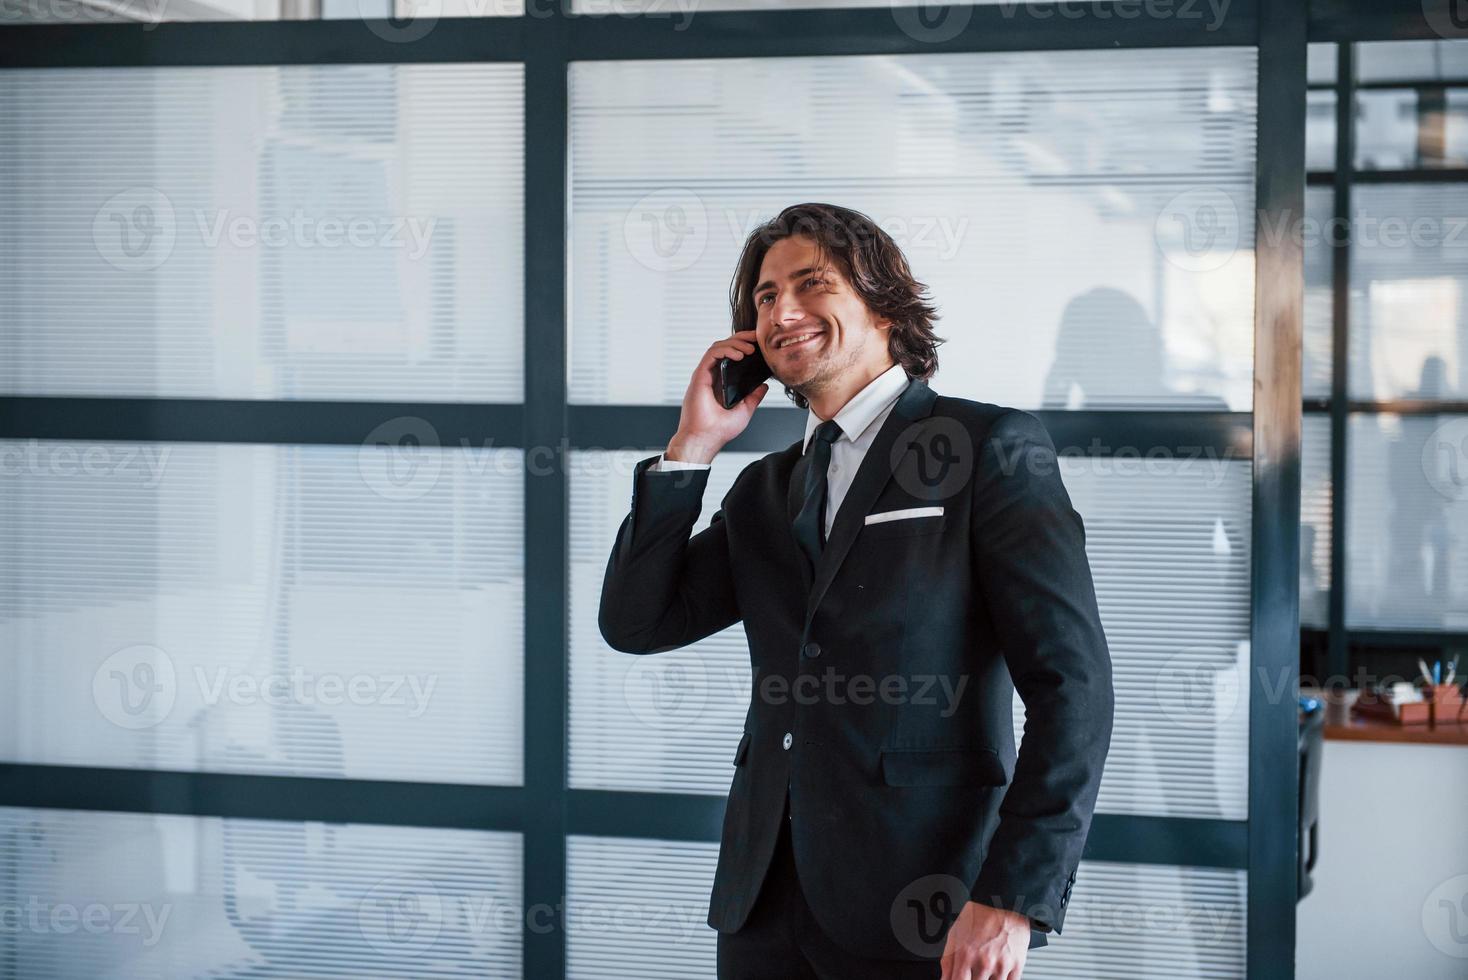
[810, 523]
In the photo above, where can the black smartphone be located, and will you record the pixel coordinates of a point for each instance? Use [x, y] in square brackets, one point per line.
[738, 378]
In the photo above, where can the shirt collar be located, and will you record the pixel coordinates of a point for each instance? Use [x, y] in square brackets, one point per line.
[858, 414]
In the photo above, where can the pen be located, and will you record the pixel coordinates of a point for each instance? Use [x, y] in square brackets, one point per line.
[1452, 672]
[1426, 674]
[1437, 672]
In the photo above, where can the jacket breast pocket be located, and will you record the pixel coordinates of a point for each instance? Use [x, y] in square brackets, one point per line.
[906, 523]
[742, 751]
[942, 767]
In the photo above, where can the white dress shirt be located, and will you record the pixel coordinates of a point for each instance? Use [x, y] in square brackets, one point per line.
[860, 420]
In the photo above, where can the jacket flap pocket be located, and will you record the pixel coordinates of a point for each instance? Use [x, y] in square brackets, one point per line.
[942, 767]
[742, 751]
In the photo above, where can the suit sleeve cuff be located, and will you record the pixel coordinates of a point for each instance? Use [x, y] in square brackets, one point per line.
[1044, 905]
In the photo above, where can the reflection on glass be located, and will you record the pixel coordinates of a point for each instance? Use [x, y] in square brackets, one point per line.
[1315, 516]
[1028, 190]
[178, 896]
[155, 11]
[1455, 128]
[1320, 63]
[1320, 130]
[1411, 61]
[657, 893]
[667, 722]
[1407, 522]
[1386, 129]
[355, 232]
[1319, 298]
[1176, 615]
[1403, 129]
[1409, 288]
[326, 611]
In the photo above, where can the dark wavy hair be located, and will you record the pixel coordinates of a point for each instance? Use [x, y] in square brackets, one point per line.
[869, 260]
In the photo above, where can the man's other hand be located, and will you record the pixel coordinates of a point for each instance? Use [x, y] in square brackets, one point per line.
[986, 943]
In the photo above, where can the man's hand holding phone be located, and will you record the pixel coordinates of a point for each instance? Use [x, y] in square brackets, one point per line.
[705, 425]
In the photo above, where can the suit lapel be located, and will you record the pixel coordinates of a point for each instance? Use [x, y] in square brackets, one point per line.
[915, 402]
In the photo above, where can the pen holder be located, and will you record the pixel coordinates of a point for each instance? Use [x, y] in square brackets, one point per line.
[1444, 704]
[1440, 705]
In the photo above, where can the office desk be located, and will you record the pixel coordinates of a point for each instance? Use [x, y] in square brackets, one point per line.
[1392, 851]
[1342, 725]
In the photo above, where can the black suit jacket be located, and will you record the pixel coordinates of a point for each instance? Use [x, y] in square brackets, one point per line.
[905, 799]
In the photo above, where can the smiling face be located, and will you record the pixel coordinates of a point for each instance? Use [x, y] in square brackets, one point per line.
[818, 336]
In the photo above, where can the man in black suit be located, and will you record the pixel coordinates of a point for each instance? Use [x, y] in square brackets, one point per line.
[900, 572]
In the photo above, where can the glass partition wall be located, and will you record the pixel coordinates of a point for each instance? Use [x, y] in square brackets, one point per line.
[326, 350]
[1384, 534]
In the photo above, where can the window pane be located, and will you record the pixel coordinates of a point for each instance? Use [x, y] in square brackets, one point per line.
[354, 232]
[666, 9]
[417, 17]
[1320, 62]
[210, 897]
[1455, 129]
[1315, 516]
[1386, 129]
[303, 610]
[650, 899]
[667, 723]
[1126, 921]
[1409, 288]
[1176, 615]
[1320, 130]
[1319, 297]
[1083, 218]
[1405, 128]
[642, 908]
[1407, 523]
[1387, 61]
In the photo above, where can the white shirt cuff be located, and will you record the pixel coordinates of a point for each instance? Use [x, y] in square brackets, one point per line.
[676, 464]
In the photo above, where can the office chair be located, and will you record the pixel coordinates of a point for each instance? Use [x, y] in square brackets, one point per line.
[1312, 755]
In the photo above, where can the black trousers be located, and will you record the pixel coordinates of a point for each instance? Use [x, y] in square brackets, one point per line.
[781, 939]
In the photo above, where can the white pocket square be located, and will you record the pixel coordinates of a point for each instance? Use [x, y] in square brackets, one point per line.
[902, 515]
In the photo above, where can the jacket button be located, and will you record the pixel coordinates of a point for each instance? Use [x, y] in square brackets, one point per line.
[812, 649]
[789, 740]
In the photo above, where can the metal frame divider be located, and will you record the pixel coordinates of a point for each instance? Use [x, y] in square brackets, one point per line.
[1279, 296]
